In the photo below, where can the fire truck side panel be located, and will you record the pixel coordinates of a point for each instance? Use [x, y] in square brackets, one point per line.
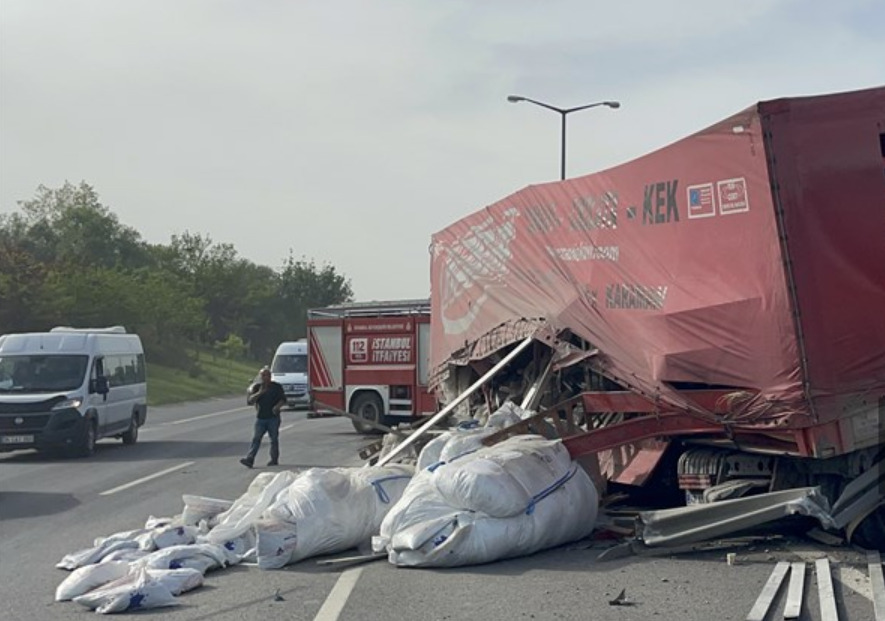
[325, 364]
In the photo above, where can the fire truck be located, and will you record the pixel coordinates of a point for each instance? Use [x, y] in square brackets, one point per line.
[371, 359]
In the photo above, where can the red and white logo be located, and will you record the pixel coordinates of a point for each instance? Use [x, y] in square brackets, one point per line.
[732, 196]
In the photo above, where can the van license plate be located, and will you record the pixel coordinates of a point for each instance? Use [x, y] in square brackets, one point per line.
[16, 439]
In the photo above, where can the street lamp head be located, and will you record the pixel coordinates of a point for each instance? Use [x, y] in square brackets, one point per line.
[515, 98]
[612, 104]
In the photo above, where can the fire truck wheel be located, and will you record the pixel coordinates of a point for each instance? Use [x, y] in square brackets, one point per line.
[367, 406]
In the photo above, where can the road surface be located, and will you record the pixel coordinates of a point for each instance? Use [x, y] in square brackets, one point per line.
[50, 507]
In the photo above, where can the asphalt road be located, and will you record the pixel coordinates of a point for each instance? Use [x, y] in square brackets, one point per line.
[50, 507]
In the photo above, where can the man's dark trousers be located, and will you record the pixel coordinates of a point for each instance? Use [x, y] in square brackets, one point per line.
[271, 426]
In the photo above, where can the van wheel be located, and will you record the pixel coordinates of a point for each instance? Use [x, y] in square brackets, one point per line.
[130, 436]
[86, 445]
[367, 406]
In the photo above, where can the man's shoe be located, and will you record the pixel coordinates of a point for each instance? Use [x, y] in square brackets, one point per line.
[273, 462]
[246, 462]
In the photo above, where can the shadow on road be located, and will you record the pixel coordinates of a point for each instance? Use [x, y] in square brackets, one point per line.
[16, 505]
[143, 451]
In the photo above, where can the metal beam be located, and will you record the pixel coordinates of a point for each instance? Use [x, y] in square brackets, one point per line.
[825, 592]
[703, 522]
[877, 584]
[795, 592]
[399, 448]
[636, 429]
[769, 592]
[533, 394]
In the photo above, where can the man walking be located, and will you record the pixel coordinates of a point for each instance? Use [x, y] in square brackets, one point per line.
[268, 398]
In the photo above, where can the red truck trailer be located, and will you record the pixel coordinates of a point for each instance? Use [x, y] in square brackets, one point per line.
[371, 359]
[722, 297]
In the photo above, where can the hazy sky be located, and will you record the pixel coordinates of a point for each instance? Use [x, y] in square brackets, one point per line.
[349, 131]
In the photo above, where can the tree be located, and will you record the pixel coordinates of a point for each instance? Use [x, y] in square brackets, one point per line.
[303, 286]
[66, 259]
[70, 225]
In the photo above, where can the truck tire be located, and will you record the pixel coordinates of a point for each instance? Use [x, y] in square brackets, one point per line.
[130, 436]
[368, 406]
[85, 446]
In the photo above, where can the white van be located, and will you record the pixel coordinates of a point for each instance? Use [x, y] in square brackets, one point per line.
[289, 368]
[66, 388]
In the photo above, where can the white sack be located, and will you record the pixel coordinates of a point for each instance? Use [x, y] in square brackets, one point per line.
[158, 522]
[173, 535]
[136, 591]
[84, 579]
[503, 482]
[450, 445]
[178, 581]
[430, 453]
[197, 508]
[128, 555]
[237, 549]
[93, 555]
[424, 530]
[276, 541]
[247, 509]
[328, 510]
[126, 535]
[199, 556]
[506, 415]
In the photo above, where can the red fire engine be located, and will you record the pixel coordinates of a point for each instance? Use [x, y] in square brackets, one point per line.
[371, 359]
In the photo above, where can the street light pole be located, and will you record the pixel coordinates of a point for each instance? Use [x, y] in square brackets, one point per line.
[562, 112]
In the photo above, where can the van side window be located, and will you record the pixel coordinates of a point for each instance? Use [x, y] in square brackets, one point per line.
[125, 369]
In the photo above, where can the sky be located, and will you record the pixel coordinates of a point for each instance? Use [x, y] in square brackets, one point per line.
[348, 132]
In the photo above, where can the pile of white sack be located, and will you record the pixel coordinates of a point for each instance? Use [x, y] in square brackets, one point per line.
[472, 504]
[282, 518]
[467, 504]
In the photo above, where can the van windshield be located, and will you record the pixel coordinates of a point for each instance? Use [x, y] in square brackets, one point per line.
[42, 373]
[289, 363]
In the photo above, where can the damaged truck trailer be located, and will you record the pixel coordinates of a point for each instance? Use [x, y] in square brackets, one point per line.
[718, 305]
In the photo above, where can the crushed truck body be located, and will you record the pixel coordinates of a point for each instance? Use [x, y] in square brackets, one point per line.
[719, 302]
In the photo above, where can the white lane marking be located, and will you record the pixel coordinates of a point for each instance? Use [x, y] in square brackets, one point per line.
[287, 427]
[850, 577]
[202, 416]
[334, 604]
[150, 477]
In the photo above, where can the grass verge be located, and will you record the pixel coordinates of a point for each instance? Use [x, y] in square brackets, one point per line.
[212, 376]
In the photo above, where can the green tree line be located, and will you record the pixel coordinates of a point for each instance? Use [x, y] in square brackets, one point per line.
[66, 259]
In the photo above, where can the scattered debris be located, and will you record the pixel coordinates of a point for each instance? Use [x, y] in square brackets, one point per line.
[345, 561]
[769, 592]
[825, 592]
[621, 599]
[877, 582]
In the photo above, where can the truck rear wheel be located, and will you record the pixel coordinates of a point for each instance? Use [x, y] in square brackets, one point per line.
[870, 533]
[369, 407]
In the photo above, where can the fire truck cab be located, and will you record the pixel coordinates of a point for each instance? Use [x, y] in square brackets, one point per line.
[371, 359]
